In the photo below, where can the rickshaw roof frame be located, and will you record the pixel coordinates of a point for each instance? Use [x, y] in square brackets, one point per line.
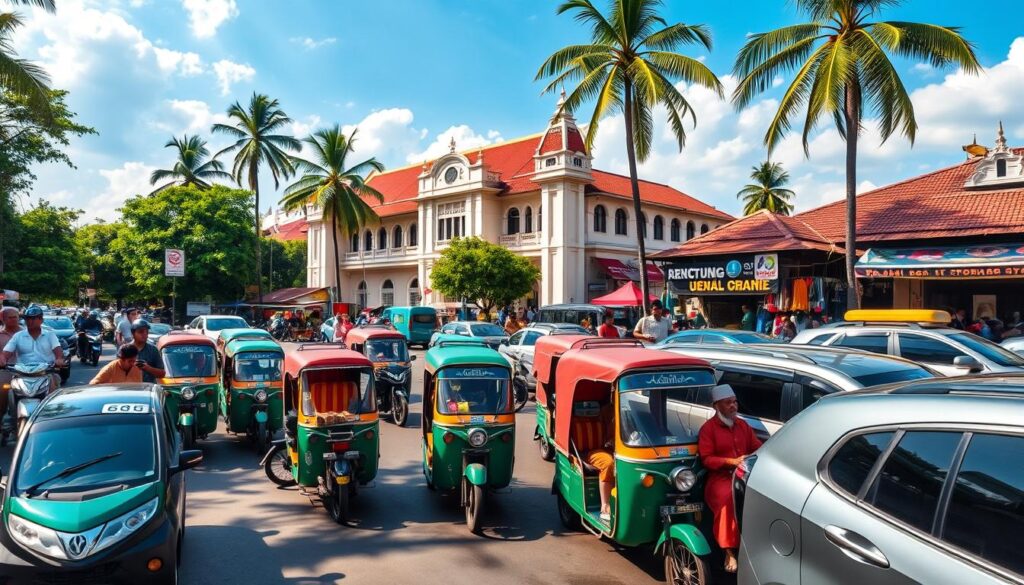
[330, 355]
[361, 335]
[462, 355]
[184, 338]
[239, 345]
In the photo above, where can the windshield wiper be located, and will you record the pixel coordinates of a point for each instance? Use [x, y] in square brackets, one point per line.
[72, 470]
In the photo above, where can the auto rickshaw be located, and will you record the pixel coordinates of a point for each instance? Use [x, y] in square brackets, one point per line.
[629, 405]
[191, 383]
[251, 400]
[547, 352]
[331, 443]
[468, 423]
[227, 335]
[392, 367]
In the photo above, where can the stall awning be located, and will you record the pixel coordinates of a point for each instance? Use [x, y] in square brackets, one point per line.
[618, 270]
[628, 295]
[938, 262]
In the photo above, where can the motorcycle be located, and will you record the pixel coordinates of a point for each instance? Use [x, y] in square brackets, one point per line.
[91, 344]
[30, 385]
[279, 330]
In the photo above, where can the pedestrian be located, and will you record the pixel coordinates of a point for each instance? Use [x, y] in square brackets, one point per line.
[342, 325]
[148, 358]
[123, 333]
[788, 331]
[608, 330]
[749, 320]
[960, 320]
[516, 322]
[654, 327]
[122, 369]
[531, 313]
[503, 314]
[8, 327]
[724, 441]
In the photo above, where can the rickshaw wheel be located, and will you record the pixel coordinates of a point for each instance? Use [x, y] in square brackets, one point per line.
[399, 409]
[474, 506]
[261, 438]
[547, 452]
[339, 505]
[279, 468]
[188, 437]
[569, 517]
[682, 567]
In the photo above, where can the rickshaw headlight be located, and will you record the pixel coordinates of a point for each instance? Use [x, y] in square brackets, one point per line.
[477, 437]
[682, 478]
[188, 393]
[35, 537]
[260, 395]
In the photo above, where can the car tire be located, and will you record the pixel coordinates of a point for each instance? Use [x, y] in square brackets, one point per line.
[569, 517]
[683, 567]
[547, 450]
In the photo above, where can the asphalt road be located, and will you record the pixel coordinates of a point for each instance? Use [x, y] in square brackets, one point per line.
[242, 529]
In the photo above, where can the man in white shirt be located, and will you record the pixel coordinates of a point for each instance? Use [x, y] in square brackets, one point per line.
[123, 333]
[654, 327]
[32, 345]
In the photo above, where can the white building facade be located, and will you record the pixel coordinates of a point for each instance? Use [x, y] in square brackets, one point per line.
[537, 196]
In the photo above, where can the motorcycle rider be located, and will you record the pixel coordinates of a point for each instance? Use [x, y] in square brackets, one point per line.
[10, 326]
[89, 323]
[33, 345]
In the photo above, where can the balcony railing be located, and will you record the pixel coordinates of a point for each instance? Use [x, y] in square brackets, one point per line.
[375, 255]
[520, 240]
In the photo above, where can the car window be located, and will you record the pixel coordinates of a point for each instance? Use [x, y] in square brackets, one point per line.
[821, 339]
[448, 329]
[689, 338]
[171, 430]
[811, 390]
[758, 396]
[514, 340]
[462, 330]
[532, 337]
[987, 504]
[991, 351]
[918, 348]
[911, 479]
[875, 342]
[852, 463]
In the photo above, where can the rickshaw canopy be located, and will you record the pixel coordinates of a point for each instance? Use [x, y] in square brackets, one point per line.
[463, 354]
[183, 338]
[227, 335]
[584, 373]
[319, 355]
[236, 346]
[361, 334]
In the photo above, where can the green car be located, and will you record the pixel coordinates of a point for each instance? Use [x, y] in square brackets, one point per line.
[96, 492]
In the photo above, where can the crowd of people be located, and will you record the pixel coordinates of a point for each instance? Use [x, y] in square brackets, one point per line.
[988, 326]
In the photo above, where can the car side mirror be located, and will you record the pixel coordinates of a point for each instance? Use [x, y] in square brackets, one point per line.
[504, 342]
[969, 362]
[188, 460]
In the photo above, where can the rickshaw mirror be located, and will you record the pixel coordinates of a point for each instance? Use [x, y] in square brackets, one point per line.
[188, 460]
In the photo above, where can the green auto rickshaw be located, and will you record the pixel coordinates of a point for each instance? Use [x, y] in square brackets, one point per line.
[227, 335]
[191, 382]
[468, 423]
[332, 435]
[251, 397]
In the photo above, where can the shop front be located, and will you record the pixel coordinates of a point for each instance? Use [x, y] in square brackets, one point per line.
[618, 273]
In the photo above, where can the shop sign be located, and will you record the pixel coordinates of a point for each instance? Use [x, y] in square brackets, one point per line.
[742, 275]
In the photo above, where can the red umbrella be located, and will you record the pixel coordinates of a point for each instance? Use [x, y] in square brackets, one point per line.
[628, 295]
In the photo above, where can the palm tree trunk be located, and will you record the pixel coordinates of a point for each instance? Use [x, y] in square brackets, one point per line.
[337, 262]
[635, 186]
[852, 115]
[254, 183]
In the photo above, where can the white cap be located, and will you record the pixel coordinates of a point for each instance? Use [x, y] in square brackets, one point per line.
[721, 392]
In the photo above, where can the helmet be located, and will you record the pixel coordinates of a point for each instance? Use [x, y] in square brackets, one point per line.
[32, 312]
[94, 314]
[140, 324]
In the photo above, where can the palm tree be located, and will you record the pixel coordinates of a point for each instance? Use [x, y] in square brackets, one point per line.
[256, 143]
[842, 71]
[19, 75]
[338, 190]
[630, 66]
[767, 191]
[191, 168]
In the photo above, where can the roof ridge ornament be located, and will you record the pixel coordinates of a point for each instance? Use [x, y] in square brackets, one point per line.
[451, 145]
[1000, 140]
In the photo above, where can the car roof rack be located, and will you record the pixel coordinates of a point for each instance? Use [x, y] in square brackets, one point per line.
[309, 346]
[599, 343]
[461, 342]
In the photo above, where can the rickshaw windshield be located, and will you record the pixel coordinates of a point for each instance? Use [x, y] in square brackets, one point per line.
[387, 350]
[258, 366]
[189, 361]
[473, 390]
[654, 407]
[338, 390]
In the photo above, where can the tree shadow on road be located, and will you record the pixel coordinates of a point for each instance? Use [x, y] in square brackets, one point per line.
[246, 551]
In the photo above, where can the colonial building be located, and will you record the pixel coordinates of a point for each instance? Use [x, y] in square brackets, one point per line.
[538, 196]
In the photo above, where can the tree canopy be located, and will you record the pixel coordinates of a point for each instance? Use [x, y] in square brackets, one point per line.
[483, 273]
[46, 262]
[101, 268]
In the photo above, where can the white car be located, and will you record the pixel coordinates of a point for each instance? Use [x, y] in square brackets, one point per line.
[211, 325]
[1014, 344]
[518, 349]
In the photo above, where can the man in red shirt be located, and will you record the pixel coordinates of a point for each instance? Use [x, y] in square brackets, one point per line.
[608, 328]
[723, 442]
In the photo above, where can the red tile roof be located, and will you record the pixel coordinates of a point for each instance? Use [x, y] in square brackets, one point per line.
[760, 232]
[618, 186]
[287, 232]
[933, 205]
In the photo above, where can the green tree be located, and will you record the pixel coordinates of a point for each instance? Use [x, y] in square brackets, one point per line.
[768, 190]
[214, 228]
[102, 269]
[257, 143]
[631, 65]
[192, 166]
[20, 76]
[46, 263]
[483, 273]
[285, 263]
[843, 73]
[338, 190]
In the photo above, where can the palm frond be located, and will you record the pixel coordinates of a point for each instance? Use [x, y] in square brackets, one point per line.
[760, 78]
[672, 37]
[763, 46]
[688, 69]
[938, 45]
[794, 97]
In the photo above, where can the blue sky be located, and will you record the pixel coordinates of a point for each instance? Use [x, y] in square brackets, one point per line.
[412, 74]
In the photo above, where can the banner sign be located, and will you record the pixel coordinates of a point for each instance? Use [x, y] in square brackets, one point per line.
[982, 261]
[743, 275]
[174, 262]
[194, 309]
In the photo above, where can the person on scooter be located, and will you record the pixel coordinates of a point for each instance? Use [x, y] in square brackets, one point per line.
[9, 325]
[148, 360]
[90, 323]
[33, 345]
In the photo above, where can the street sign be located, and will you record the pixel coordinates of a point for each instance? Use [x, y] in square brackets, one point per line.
[194, 309]
[174, 262]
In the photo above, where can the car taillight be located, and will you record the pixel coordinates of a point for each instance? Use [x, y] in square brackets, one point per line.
[340, 447]
[740, 477]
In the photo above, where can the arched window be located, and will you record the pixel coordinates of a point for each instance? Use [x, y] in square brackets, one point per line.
[691, 230]
[396, 237]
[368, 241]
[361, 294]
[415, 297]
[413, 235]
[513, 222]
[528, 221]
[600, 219]
[674, 230]
[354, 244]
[620, 222]
[387, 293]
[703, 228]
[540, 218]
[659, 228]
[382, 239]
[1001, 167]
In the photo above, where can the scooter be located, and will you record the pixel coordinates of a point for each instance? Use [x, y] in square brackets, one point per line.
[30, 385]
[91, 344]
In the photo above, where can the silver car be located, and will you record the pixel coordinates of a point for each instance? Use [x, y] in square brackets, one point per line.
[773, 383]
[919, 482]
[1014, 344]
[950, 351]
[518, 349]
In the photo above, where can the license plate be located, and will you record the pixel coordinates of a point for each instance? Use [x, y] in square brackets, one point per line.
[682, 508]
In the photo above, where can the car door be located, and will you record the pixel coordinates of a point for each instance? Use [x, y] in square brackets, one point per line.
[511, 349]
[932, 352]
[760, 392]
[879, 342]
[804, 392]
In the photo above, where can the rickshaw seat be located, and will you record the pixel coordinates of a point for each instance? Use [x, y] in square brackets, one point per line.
[588, 434]
[333, 396]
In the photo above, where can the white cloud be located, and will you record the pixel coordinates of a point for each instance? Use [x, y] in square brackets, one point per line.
[311, 44]
[465, 139]
[229, 72]
[186, 64]
[388, 135]
[206, 16]
[194, 116]
[128, 180]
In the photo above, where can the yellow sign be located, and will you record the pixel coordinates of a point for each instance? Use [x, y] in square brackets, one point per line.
[733, 286]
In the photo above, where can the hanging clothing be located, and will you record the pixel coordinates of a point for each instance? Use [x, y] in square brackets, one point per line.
[717, 444]
[799, 301]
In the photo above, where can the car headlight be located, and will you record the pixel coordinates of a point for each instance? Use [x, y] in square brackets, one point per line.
[477, 437]
[124, 526]
[188, 393]
[35, 537]
[682, 478]
[260, 395]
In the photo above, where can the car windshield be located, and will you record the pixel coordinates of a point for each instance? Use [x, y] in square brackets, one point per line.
[868, 370]
[654, 407]
[189, 361]
[424, 318]
[53, 446]
[387, 350]
[258, 366]
[159, 328]
[753, 338]
[473, 390]
[218, 323]
[486, 330]
[992, 352]
[59, 322]
[337, 390]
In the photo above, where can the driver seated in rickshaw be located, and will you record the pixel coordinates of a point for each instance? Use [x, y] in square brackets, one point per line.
[190, 364]
[592, 435]
[385, 351]
[464, 396]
